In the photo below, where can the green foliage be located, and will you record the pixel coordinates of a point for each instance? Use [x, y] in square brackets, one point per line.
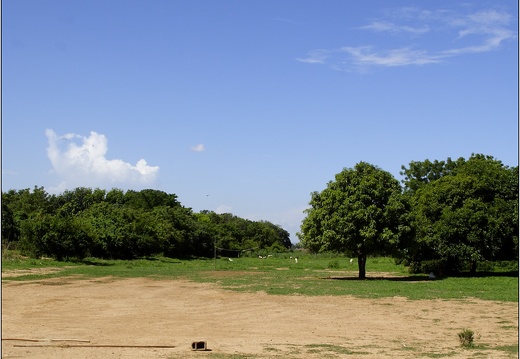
[55, 236]
[359, 212]
[421, 173]
[468, 215]
[118, 225]
[10, 231]
[235, 234]
[148, 199]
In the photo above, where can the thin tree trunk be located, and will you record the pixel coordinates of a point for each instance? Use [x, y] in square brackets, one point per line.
[473, 268]
[362, 260]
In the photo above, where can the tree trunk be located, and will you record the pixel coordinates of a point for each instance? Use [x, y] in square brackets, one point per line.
[473, 268]
[362, 260]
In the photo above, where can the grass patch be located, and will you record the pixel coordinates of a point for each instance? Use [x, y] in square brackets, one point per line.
[512, 349]
[224, 356]
[330, 348]
[312, 276]
[439, 355]
[509, 327]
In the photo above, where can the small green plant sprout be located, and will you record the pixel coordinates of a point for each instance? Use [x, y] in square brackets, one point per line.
[466, 338]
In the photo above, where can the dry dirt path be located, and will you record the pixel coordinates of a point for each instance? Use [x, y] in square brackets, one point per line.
[146, 312]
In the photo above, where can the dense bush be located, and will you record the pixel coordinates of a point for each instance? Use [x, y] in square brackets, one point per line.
[119, 225]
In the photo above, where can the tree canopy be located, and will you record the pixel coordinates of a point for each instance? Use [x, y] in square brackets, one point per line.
[467, 214]
[357, 213]
[122, 225]
[450, 215]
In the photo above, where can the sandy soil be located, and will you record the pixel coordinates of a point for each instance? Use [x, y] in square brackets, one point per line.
[107, 316]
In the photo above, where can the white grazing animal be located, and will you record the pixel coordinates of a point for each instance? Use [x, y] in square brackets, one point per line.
[351, 260]
[296, 260]
[230, 260]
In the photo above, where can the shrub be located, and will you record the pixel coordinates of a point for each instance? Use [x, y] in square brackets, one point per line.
[466, 337]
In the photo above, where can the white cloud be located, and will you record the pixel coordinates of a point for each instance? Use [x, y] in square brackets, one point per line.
[475, 32]
[315, 57]
[383, 26]
[366, 56]
[223, 209]
[85, 163]
[489, 26]
[198, 148]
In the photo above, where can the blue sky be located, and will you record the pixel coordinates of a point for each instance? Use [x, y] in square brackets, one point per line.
[248, 106]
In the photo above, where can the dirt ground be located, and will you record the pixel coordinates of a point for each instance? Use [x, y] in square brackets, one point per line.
[103, 318]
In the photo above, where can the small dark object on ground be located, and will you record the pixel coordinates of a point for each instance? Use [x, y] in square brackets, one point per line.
[199, 346]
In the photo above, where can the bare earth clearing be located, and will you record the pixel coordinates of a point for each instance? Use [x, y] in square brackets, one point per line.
[112, 313]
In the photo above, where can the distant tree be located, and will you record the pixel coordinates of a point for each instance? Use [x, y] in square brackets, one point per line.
[358, 213]
[278, 237]
[123, 225]
[125, 232]
[78, 200]
[56, 236]
[19, 206]
[147, 199]
[176, 228]
[24, 202]
[229, 232]
[115, 196]
[10, 229]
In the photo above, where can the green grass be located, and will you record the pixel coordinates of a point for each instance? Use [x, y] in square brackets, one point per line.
[280, 275]
[512, 349]
[439, 355]
[329, 348]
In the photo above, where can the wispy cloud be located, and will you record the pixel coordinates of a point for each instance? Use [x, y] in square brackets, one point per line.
[490, 27]
[85, 163]
[469, 33]
[367, 56]
[315, 57]
[198, 148]
[285, 20]
[384, 26]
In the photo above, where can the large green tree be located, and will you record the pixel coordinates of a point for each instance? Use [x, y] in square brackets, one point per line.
[360, 212]
[467, 215]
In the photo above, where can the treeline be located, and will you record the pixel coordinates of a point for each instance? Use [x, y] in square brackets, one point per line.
[445, 217]
[115, 224]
